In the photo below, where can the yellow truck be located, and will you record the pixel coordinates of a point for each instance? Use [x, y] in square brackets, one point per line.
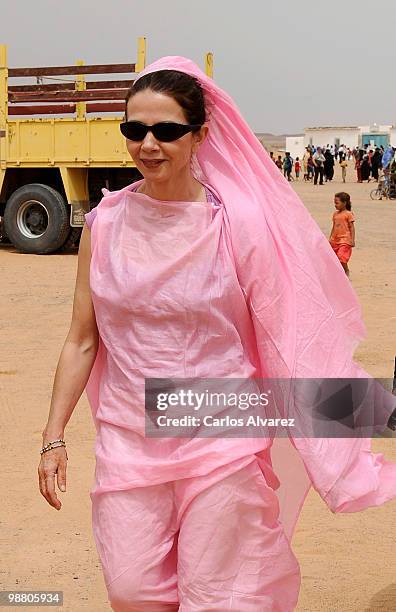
[53, 168]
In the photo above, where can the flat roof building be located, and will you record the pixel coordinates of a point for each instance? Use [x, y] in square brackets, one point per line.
[351, 136]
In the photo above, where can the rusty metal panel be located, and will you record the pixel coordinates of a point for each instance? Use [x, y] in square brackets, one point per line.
[106, 107]
[67, 96]
[71, 86]
[71, 70]
[42, 109]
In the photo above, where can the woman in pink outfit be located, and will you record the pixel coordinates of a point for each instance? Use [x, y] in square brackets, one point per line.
[200, 270]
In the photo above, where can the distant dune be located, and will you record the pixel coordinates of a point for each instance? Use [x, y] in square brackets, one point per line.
[274, 142]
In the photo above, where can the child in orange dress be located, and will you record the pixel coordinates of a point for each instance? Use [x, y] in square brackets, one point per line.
[342, 237]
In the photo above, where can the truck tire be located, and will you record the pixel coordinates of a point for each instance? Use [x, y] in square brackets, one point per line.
[36, 219]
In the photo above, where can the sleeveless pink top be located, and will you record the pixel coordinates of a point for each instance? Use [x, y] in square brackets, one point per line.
[168, 304]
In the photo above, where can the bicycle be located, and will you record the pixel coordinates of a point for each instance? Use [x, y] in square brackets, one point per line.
[381, 191]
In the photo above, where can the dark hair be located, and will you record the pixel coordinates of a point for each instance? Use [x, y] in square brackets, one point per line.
[185, 89]
[345, 198]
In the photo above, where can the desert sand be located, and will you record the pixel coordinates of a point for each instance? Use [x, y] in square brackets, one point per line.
[347, 561]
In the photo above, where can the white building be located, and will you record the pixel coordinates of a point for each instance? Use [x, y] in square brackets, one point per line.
[295, 145]
[323, 136]
[350, 136]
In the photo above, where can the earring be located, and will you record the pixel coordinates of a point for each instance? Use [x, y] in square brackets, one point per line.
[196, 168]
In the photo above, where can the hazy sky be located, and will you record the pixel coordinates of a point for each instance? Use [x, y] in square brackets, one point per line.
[287, 63]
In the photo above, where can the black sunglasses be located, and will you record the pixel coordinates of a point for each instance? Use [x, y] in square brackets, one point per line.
[166, 131]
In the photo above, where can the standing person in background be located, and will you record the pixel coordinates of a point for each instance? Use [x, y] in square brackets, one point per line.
[341, 152]
[344, 165]
[342, 236]
[386, 161]
[297, 168]
[376, 163]
[328, 166]
[279, 162]
[365, 168]
[310, 167]
[305, 159]
[358, 166]
[319, 160]
[287, 166]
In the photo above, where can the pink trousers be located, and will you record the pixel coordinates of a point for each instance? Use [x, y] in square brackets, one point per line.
[196, 545]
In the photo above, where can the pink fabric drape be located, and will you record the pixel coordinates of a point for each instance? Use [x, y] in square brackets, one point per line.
[306, 315]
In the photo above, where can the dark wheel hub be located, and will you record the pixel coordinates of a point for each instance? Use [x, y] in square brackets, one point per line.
[32, 219]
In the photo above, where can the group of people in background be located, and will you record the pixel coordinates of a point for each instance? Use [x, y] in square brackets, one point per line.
[318, 163]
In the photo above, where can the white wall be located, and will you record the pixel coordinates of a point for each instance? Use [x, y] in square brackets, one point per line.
[295, 145]
[349, 137]
[393, 137]
[323, 137]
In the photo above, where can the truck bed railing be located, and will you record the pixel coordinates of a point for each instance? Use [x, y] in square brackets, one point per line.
[101, 96]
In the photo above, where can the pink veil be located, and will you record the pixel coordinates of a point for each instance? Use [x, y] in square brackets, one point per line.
[306, 314]
[295, 290]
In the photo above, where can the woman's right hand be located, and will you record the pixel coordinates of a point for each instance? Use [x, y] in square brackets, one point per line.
[52, 466]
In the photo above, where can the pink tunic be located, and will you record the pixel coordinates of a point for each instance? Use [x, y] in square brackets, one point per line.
[171, 301]
[168, 304]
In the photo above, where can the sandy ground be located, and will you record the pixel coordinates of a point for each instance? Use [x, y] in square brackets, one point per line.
[347, 561]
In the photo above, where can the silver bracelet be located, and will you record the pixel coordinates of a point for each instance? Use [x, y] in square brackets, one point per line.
[53, 444]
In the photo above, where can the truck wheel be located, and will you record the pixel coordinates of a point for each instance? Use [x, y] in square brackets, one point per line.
[72, 240]
[36, 219]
